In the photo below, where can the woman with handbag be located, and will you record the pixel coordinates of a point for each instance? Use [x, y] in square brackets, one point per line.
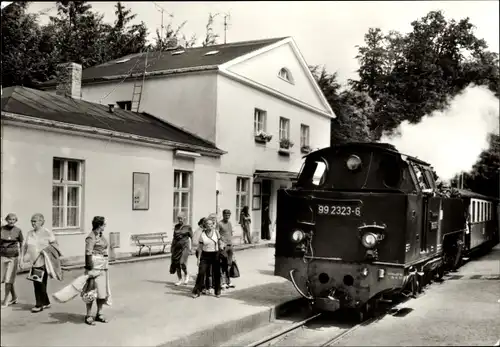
[210, 244]
[11, 242]
[96, 266]
[37, 240]
[180, 249]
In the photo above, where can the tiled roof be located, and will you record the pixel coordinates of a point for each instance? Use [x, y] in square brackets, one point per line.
[191, 58]
[48, 106]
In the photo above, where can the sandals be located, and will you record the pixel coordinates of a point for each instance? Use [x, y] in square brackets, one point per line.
[89, 320]
[100, 318]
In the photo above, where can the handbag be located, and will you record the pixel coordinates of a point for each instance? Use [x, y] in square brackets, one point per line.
[89, 291]
[36, 274]
[234, 271]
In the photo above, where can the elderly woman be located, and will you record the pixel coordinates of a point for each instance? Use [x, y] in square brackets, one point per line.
[96, 266]
[180, 249]
[11, 242]
[37, 240]
[210, 244]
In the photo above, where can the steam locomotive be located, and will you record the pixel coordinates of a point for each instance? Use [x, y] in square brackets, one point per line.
[364, 222]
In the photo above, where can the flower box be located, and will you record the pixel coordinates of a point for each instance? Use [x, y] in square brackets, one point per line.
[263, 137]
[305, 149]
[286, 144]
[284, 152]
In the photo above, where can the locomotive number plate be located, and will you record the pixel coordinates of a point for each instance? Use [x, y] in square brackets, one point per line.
[339, 210]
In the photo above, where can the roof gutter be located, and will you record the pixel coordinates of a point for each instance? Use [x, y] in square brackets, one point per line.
[48, 84]
[108, 133]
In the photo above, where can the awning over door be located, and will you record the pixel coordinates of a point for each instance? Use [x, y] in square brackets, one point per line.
[276, 175]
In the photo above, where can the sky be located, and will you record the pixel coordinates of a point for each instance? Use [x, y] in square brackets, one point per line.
[325, 32]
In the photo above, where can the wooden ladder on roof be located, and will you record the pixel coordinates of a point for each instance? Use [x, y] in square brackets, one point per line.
[138, 86]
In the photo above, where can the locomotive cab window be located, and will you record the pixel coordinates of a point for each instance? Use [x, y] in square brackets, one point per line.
[391, 171]
[420, 176]
[313, 173]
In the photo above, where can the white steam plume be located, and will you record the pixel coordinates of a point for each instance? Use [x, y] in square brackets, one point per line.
[452, 140]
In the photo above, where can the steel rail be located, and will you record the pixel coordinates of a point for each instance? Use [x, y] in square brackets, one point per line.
[287, 330]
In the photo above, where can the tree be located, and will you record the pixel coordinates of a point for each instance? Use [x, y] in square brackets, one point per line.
[409, 76]
[352, 108]
[123, 39]
[170, 38]
[81, 34]
[485, 175]
[210, 35]
[23, 47]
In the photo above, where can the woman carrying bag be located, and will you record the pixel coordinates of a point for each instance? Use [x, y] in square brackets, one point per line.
[210, 244]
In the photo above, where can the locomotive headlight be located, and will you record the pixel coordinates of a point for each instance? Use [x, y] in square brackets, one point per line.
[369, 240]
[364, 272]
[298, 235]
[353, 163]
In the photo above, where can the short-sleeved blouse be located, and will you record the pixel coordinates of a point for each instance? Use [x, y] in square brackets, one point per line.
[36, 242]
[96, 244]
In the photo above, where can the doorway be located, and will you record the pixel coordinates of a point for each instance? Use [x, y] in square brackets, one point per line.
[265, 224]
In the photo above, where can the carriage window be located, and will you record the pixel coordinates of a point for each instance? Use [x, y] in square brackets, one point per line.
[473, 212]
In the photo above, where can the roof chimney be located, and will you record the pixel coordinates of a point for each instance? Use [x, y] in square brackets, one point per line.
[69, 80]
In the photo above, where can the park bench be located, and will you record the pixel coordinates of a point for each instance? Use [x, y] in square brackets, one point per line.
[150, 240]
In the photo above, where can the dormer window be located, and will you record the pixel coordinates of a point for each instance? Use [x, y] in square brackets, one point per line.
[286, 75]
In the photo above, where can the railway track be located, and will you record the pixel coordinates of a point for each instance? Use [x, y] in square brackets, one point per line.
[326, 329]
[317, 330]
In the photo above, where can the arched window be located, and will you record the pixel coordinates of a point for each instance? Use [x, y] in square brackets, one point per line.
[285, 74]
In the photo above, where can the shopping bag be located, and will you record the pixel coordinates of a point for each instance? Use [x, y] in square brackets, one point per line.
[234, 271]
[89, 291]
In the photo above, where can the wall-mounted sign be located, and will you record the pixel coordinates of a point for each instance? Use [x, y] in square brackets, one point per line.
[140, 194]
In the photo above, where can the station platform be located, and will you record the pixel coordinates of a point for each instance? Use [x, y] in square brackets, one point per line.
[149, 310]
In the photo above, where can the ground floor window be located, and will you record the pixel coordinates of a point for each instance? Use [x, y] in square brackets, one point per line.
[242, 193]
[182, 195]
[67, 185]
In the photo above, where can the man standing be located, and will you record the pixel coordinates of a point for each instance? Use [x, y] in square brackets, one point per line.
[226, 234]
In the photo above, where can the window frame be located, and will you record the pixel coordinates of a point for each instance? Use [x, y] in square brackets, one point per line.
[282, 130]
[242, 182]
[288, 75]
[180, 191]
[302, 142]
[256, 113]
[65, 184]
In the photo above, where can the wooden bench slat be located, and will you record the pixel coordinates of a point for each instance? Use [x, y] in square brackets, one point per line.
[154, 243]
[149, 240]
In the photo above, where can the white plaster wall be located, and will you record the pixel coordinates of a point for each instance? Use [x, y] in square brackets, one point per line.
[108, 167]
[186, 100]
[264, 69]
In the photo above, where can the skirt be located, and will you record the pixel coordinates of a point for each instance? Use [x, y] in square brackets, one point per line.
[8, 269]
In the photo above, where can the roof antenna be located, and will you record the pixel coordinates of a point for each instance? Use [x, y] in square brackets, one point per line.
[227, 16]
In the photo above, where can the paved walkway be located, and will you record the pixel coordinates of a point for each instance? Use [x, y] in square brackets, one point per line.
[149, 310]
[464, 310]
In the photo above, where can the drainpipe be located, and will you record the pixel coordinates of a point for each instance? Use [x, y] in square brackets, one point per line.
[217, 203]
